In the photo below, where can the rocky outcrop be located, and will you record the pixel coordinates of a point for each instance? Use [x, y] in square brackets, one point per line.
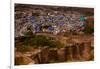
[76, 52]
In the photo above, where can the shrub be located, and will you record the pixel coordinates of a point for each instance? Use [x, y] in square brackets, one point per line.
[38, 40]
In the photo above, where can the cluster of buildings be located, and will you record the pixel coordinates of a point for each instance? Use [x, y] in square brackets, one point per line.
[53, 20]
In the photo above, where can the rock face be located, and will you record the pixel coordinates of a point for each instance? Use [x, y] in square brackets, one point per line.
[75, 52]
[61, 54]
[44, 55]
[87, 51]
[22, 60]
[68, 53]
[53, 56]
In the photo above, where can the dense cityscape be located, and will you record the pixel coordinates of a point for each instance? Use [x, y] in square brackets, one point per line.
[51, 31]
